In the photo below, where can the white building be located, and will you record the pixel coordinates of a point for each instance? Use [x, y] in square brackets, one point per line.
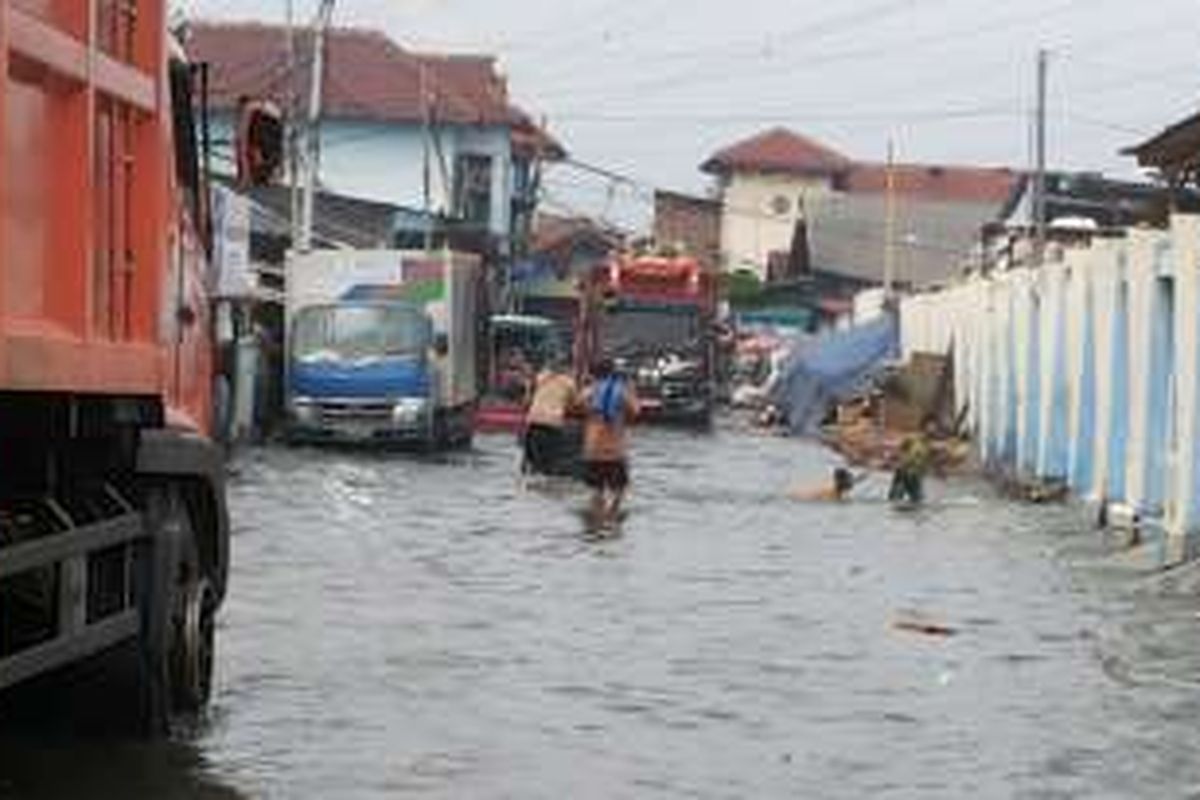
[779, 188]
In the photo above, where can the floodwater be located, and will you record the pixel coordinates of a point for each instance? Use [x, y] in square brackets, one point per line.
[403, 627]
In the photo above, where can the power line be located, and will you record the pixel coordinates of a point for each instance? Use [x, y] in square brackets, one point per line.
[862, 235]
[1095, 122]
[912, 114]
[753, 47]
[954, 35]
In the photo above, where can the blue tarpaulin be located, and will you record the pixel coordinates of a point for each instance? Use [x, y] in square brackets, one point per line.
[833, 367]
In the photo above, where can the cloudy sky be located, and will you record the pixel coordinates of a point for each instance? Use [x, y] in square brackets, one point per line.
[649, 88]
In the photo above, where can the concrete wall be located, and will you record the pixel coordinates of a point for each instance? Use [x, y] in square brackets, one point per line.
[752, 227]
[1085, 370]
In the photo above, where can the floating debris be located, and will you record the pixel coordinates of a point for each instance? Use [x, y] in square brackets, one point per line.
[924, 627]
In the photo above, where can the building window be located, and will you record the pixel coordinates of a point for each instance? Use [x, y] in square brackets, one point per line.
[781, 206]
[473, 188]
[522, 178]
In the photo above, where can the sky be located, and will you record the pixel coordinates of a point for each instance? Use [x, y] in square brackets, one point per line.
[650, 88]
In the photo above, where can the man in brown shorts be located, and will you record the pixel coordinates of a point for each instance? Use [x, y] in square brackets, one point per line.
[611, 404]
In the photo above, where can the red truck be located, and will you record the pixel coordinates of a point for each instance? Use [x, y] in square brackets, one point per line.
[113, 524]
[655, 317]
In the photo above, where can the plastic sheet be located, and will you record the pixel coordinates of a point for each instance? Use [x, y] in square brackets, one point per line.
[833, 367]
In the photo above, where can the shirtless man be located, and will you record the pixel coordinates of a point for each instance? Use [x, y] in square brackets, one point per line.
[611, 404]
[553, 397]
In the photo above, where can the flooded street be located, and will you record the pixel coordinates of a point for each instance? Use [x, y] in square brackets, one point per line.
[401, 627]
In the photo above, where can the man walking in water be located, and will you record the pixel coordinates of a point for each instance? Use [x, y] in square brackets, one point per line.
[553, 397]
[610, 403]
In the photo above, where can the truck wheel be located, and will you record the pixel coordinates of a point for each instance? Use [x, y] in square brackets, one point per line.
[178, 617]
[193, 645]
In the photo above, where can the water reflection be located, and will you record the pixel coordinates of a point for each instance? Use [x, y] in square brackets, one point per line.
[403, 625]
[70, 738]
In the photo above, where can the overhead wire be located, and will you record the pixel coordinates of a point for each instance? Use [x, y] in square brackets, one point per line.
[939, 247]
[718, 54]
[952, 36]
[916, 115]
[553, 46]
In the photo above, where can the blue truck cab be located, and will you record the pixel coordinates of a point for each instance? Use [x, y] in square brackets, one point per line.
[382, 347]
[363, 370]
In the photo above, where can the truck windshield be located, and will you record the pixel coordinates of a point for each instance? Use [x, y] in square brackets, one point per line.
[539, 344]
[359, 332]
[639, 328]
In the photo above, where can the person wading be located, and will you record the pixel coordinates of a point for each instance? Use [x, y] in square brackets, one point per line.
[554, 396]
[611, 404]
[908, 482]
[841, 483]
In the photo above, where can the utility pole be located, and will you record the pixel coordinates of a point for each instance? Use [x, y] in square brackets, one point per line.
[1039, 180]
[293, 127]
[312, 133]
[889, 236]
[426, 176]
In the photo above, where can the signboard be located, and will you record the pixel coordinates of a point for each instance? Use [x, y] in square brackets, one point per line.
[232, 275]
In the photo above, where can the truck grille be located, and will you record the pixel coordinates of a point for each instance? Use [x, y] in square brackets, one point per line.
[356, 411]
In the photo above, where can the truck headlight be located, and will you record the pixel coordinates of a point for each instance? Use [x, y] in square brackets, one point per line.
[409, 411]
[305, 411]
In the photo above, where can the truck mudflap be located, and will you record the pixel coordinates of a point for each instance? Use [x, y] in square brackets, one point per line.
[199, 464]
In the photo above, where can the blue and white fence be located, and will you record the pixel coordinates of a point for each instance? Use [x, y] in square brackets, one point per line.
[1085, 370]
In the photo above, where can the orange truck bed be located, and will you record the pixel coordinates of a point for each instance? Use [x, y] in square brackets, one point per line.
[101, 267]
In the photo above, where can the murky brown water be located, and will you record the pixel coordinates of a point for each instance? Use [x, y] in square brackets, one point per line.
[402, 627]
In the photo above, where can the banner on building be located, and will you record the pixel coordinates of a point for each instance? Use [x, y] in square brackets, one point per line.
[232, 274]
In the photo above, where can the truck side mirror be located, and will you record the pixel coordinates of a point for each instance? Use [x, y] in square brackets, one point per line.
[260, 142]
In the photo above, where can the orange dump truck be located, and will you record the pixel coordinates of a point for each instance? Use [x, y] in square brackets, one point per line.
[654, 317]
[113, 528]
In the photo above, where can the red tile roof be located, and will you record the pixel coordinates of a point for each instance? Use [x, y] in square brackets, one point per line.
[928, 182]
[781, 150]
[368, 76]
[778, 150]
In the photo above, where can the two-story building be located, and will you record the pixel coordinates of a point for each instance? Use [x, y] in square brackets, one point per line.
[768, 184]
[435, 135]
[782, 192]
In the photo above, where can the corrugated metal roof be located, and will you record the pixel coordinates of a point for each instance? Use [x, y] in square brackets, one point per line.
[847, 237]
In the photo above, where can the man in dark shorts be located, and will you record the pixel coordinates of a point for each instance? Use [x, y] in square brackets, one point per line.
[611, 404]
[553, 398]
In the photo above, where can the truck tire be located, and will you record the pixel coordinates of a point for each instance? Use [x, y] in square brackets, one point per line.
[193, 646]
[178, 604]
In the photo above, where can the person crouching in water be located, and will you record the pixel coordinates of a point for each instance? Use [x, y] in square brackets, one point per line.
[841, 483]
[611, 404]
[553, 396]
[908, 481]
